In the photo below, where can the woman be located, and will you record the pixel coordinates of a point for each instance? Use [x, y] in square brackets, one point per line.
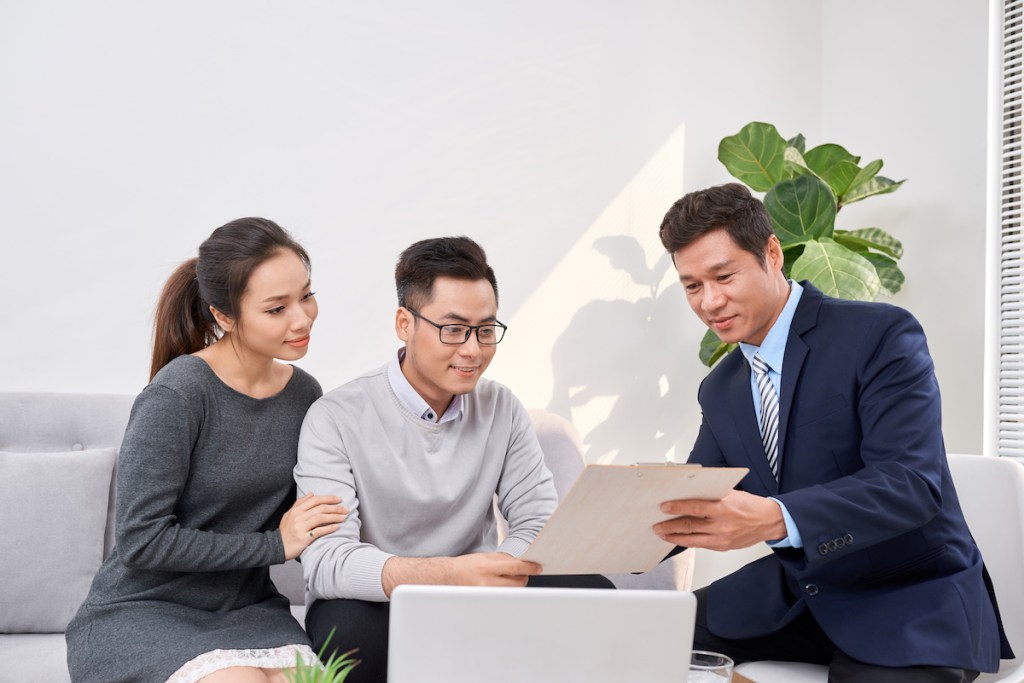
[205, 496]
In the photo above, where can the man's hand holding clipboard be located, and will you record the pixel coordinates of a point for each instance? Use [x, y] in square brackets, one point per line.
[737, 520]
[605, 523]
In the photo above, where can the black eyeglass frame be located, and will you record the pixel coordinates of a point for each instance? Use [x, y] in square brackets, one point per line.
[470, 329]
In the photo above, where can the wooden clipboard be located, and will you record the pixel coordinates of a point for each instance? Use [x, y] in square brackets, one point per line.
[603, 525]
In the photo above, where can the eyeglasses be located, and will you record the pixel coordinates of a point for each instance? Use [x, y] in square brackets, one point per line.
[486, 335]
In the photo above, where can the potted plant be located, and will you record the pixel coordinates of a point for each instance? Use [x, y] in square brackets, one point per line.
[335, 670]
[805, 190]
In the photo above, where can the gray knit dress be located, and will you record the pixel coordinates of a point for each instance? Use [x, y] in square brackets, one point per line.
[204, 476]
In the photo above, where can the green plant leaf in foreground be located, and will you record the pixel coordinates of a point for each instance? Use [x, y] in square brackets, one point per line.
[837, 271]
[335, 670]
[712, 348]
[870, 238]
[801, 209]
[755, 155]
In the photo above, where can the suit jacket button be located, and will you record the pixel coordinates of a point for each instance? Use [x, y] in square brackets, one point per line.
[840, 542]
[848, 538]
[832, 545]
[823, 549]
[811, 589]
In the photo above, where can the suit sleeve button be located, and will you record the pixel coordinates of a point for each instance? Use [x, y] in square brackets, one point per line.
[823, 549]
[811, 589]
[832, 545]
[848, 538]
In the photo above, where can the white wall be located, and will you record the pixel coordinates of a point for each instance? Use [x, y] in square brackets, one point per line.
[556, 134]
[907, 81]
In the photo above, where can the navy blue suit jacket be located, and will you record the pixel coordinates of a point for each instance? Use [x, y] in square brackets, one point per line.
[889, 568]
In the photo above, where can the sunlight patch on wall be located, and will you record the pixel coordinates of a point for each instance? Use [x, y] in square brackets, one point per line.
[597, 341]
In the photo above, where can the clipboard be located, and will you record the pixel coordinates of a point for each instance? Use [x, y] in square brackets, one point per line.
[603, 525]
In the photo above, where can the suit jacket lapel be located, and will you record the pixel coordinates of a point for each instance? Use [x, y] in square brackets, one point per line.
[796, 352]
[804, 319]
[741, 401]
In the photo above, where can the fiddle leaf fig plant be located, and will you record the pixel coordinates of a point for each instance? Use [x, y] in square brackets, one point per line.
[804, 191]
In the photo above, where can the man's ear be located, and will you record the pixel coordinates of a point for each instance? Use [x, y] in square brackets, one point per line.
[773, 255]
[404, 323]
[223, 322]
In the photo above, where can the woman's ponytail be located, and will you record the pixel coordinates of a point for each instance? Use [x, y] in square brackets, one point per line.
[183, 322]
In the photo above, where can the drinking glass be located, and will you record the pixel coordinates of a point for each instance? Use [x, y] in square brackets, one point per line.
[709, 667]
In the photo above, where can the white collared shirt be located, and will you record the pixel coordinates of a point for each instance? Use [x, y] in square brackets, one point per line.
[411, 399]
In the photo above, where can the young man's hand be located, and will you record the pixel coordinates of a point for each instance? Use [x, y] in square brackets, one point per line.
[475, 569]
[492, 569]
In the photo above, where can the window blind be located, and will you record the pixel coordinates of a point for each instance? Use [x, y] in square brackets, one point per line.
[1011, 248]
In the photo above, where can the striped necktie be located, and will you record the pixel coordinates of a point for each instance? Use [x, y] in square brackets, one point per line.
[769, 413]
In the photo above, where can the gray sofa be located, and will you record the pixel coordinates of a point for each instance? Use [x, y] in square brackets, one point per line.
[57, 473]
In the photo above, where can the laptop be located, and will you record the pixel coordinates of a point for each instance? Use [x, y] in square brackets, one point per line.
[461, 634]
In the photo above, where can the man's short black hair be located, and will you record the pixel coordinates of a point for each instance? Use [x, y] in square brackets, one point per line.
[423, 262]
[728, 207]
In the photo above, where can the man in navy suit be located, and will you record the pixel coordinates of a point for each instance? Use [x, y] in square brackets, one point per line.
[874, 571]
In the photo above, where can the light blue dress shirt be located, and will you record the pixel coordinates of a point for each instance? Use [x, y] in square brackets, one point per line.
[773, 350]
[412, 401]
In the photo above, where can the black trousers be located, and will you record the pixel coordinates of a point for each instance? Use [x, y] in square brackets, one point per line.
[804, 641]
[364, 625]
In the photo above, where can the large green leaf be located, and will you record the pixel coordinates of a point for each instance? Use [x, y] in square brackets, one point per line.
[801, 209]
[834, 165]
[712, 348]
[889, 274]
[840, 176]
[877, 185]
[823, 157]
[863, 176]
[870, 238]
[755, 155]
[837, 271]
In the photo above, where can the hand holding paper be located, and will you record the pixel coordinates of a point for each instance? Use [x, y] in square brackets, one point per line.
[738, 520]
[605, 522]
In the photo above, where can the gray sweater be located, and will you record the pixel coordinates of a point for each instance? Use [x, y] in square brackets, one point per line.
[415, 488]
[204, 476]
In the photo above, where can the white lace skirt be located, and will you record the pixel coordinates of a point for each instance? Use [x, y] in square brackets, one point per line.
[272, 658]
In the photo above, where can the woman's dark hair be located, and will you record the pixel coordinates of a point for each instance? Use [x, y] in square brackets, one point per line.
[218, 278]
[423, 262]
[728, 207]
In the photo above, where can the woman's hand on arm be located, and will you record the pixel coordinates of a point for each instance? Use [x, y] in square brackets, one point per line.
[308, 519]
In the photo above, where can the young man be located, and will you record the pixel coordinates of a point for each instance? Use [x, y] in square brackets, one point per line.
[834, 407]
[416, 450]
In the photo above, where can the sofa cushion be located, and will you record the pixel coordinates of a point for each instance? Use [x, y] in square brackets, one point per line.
[53, 510]
[34, 657]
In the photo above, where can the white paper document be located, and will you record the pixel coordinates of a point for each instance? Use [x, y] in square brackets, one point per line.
[603, 525]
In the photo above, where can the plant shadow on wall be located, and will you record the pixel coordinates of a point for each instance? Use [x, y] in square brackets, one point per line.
[629, 352]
